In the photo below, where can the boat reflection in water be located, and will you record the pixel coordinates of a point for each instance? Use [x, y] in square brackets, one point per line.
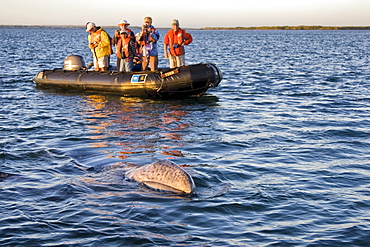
[139, 127]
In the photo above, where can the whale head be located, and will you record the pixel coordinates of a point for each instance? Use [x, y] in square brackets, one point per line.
[163, 175]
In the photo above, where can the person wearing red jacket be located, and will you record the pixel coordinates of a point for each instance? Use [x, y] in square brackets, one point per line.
[174, 42]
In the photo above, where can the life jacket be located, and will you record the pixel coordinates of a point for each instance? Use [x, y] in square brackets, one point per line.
[175, 39]
[147, 39]
[126, 47]
[101, 36]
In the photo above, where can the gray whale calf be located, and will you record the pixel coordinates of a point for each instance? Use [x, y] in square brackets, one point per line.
[163, 175]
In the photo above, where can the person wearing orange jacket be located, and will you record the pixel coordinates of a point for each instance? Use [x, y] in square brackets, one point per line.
[174, 42]
[100, 45]
[148, 38]
[126, 47]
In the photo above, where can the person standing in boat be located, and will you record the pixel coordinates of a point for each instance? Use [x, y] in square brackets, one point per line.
[115, 39]
[148, 38]
[100, 45]
[174, 42]
[126, 47]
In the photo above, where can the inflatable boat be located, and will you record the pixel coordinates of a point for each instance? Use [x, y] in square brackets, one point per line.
[187, 81]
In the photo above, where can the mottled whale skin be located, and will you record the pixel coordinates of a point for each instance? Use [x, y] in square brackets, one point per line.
[163, 175]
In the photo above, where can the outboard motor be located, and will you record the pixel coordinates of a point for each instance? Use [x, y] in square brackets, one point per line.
[74, 62]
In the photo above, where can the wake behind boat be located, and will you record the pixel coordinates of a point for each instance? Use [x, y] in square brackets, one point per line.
[186, 81]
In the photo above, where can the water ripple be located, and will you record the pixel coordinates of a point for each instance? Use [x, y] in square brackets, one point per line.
[278, 152]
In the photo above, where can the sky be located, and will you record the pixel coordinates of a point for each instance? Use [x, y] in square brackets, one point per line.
[190, 13]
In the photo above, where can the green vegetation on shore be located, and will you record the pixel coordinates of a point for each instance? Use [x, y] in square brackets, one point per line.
[291, 28]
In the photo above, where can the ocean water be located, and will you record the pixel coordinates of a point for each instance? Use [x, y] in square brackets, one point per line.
[279, 152]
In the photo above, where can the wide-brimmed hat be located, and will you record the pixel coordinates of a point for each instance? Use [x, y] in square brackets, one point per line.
[123, 22]
[89, 26]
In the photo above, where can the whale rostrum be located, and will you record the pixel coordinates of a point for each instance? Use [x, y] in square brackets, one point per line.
[163, 175]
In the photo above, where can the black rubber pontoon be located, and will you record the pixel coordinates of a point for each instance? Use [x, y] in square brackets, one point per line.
[186, 81]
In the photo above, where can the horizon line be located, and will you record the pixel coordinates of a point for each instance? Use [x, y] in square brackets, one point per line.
[203, 28]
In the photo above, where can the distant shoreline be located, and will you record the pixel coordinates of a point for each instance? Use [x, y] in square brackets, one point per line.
[301, 27]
